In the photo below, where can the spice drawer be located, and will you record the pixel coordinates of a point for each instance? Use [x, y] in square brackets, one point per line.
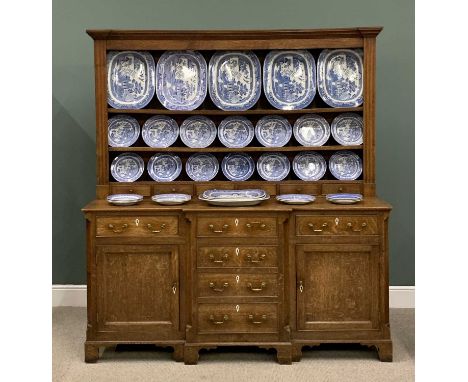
[144, 190]
[231, 226]
[238, 318]
[336, 225]
[145, 226]
[252, 257]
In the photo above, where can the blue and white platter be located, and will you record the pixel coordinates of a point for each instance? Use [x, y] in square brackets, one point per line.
[311, 130]
[122, 131]
[160, 131]
[273, 166]
[346, 129]
[164, 167]
[235, 131]
[252, 193]
[273, 131]
[340, 77]
[344, 198]
[171, 199]
[295, 198]
[289, 79]
[202, 167]
[234, 80]
[124, 199]
[198, 131]
[309, 166]
[345, 165]
[181, 80]
[238, 166]
[127, 167]
[130, 79]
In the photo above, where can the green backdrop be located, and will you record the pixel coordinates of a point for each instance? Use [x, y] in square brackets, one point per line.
[73, 130]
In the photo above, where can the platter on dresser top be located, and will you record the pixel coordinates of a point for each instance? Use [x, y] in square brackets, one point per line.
[238, 166]
[289, 79]
[234, 198]
[164, 167]
[124, 199]
[171, 199]
[346, 129]
[273, 131]
[202, 166]
[273, 166]
[340, 77]
[344, 198]
[181, 80]
[122, 131]
[234, 80]
[311, 130]
[130, 79]
[198, 131]
[295, 198]
[345, 165]
[127, 167]
[160, 131]
[235, 131]
[309, 166]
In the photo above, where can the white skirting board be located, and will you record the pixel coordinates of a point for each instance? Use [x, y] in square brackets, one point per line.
[75, 295]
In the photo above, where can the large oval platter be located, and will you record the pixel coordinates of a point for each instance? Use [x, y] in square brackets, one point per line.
[340, 77]
[198, 131]
[345, 165]
[238, 166]
[309, 166]
[202, 167]
[130, 79]
[235, 131]
[273, 166]
[160, 131]
[127, 167]
[164, 167]
[122, 131]
[273, 131]
[311, 130]
[234, 81]
[289, 79]
[346, 129]
[181, 80]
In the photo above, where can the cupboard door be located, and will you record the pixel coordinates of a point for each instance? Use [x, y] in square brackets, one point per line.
[137, 288]
[337, 287]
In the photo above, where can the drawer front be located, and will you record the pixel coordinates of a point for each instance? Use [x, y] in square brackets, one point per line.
[240, 318]
[172, 188]
[145, 226]
[235, 227]
[144, 190]
[311, 189]
[242, 285]
[334, 188]
[216, 257]
[336, 225]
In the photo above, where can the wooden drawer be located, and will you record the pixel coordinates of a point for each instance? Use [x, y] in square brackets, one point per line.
[312, 189]
[223, 226]
[239, 285]
[336, 225]
[225, 257]
[172, 188]
[145, 226]
[144, 190]
[334, 188]
[238, 318]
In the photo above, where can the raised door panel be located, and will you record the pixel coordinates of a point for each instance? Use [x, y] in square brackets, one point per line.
[337, 287]
[137, 288]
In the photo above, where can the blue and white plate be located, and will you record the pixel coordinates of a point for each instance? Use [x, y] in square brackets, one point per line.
[198, 131]
[273, 131]
[234, 81]
[346, 128]
[253, 193]
[181, 80]
[164, 167]
[295, 198]
[340, 77]
[202, 167]
[124, 199]
[344, 198]
[160, 131]
[235, 131]
[345, 165]
[289, 79]
[311, 130]
[309, 166]
[130, 79]
[273, 166]
[122, 131]
[171, 199]
[127, 167]
[238, 166]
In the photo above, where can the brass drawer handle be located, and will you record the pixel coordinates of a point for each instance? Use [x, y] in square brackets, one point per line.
[114, 229]
[150, 228]
[324, 226]
[223, 319]
[262, 319]
[259, 289]
[222, 259]
[215, 289]
[258, 258]
[363, 225]
[223, 228]
[258, 225]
